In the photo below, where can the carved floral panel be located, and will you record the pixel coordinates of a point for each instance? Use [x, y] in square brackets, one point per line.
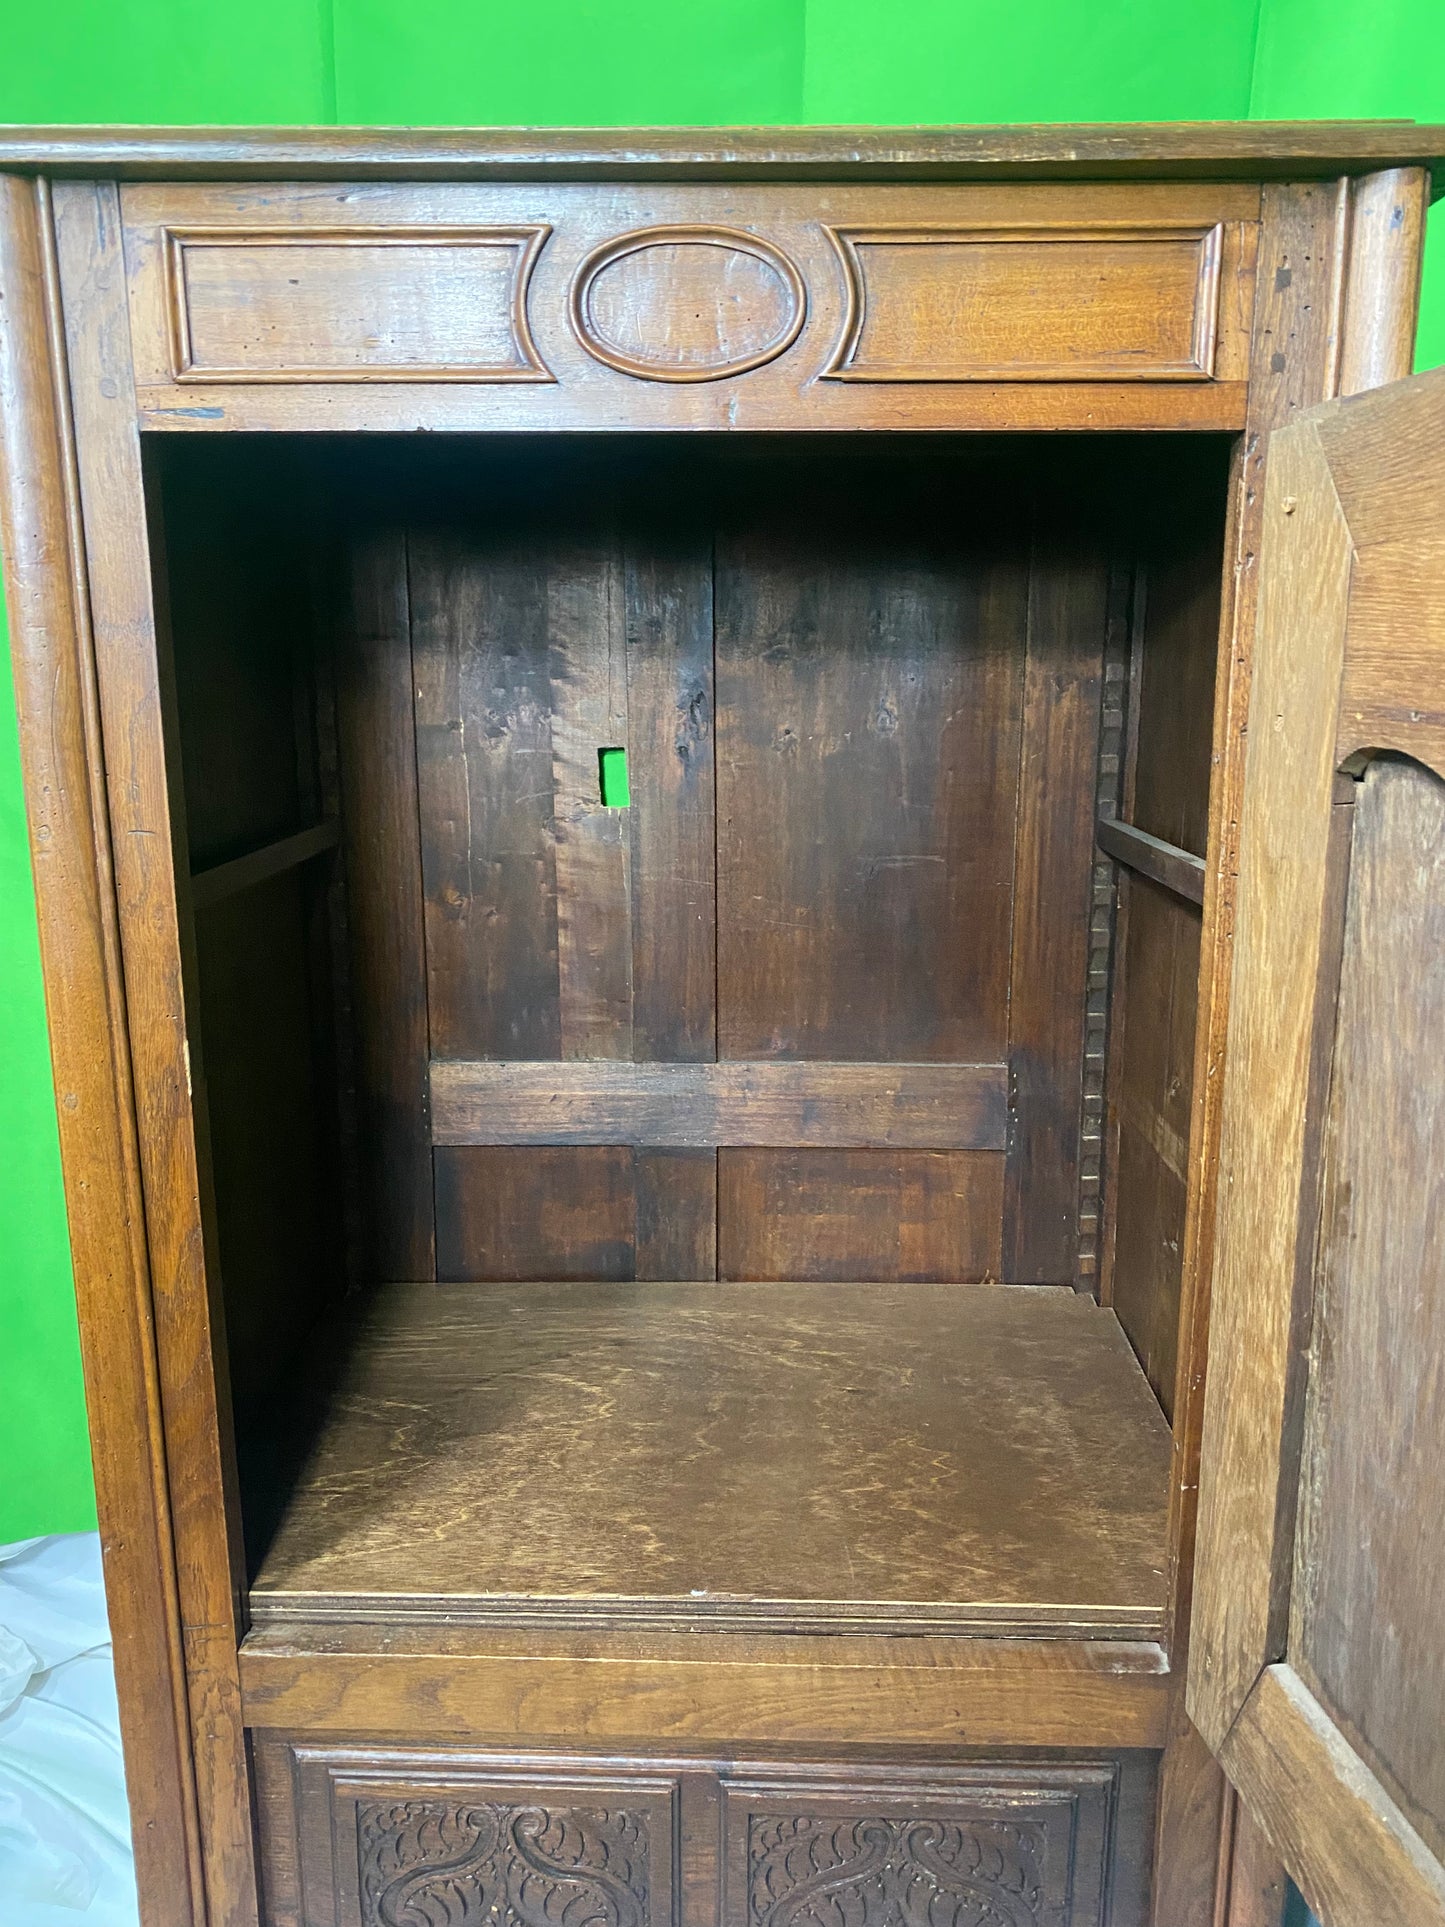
[444, 1863]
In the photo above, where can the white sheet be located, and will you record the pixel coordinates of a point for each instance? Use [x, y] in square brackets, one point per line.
[65, 1857]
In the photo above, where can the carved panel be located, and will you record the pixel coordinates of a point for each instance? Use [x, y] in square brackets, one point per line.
[1028, 304]
[352, 304]
[441, 1863]
[687, 303]
[985, 1847]
[378, 1836]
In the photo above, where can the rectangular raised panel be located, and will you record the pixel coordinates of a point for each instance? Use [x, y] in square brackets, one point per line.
[353, 304]
[903, 1106]
[1020, 304]
[377, 1837]
[1029, 1846]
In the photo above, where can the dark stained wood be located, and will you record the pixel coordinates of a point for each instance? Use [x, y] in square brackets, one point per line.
[377, 781]
[1178, 870]
[895, 1215]
[675, 1227]
[907, 1106]
[830, 1456]
[515, 1212]
[1206, 150]
[479, 613]
[51, 652]
[1258, 1889]
[867, 703]
[1052, 885]
[243, 873]
[1367, 1604]
[667, 595]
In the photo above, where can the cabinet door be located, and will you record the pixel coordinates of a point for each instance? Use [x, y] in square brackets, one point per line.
[1317, 1670]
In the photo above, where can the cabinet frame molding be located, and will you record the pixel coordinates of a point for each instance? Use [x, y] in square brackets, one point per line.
[90, 681]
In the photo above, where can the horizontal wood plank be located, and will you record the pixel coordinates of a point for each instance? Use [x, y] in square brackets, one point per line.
[831, 1689]
[220, 880]
[916, 1107]
[1178, 870]
[1201, 150]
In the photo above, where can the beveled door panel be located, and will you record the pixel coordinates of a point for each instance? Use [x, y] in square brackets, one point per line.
[1317, 1670]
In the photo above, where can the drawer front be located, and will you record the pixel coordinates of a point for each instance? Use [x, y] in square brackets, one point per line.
[576, 305]
[359, 1836]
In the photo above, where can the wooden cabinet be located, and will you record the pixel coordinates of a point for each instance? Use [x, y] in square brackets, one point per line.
[686, 1006]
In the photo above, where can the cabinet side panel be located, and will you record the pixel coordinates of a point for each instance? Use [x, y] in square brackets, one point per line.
[79, 946]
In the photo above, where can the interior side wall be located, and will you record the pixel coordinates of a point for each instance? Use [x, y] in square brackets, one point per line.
[263, 1034]
[1159, 932]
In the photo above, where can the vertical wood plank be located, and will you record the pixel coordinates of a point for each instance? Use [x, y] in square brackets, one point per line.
[675, 1232]
[1382, 294]
[61, 752]
[1053, 873]
[187, 1314]
[586, 638]
[1267, 1177]
[479, 609]
[668, 595]
[377, 778]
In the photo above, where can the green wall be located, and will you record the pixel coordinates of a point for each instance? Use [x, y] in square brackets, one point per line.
[598, 62]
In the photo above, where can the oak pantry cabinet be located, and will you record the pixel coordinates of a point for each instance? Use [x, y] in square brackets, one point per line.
[738, 837]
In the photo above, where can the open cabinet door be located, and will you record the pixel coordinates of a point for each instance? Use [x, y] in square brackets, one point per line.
[1317, 1668]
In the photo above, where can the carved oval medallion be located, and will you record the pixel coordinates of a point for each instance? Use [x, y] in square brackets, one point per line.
[687, 303]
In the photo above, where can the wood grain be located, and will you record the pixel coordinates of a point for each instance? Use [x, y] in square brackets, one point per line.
[903, 1216]
[1200, 150]
[1349, 1848]
[189, 1322]
[831, 1456]
[1367, 1603]
[908, 1106]
[1268, 1180]
[61, 753]
[1382, 295]
[727, 1689]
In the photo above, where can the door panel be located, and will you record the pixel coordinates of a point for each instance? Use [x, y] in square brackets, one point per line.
[1317, 1668]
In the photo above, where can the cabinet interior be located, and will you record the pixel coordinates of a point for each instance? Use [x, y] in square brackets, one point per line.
[854, 1298]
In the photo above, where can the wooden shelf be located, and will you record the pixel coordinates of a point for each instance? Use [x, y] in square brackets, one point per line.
[797, 1459]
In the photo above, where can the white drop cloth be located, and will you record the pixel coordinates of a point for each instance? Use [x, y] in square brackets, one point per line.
[65, 1857]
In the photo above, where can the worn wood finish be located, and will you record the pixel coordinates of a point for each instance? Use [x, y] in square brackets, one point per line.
[767, 1689]
[1052, 883]
[903, 1216]
[358, 1828]
[188, 1319]
[1255, 1893]
[1382, 295]
[1366, 1557]
[1348, 1846]
[381, 852]
[519, 1211]
[910, 1106]
[1201, 150]
[730, 1432]
[530, 306]
[1311, 1541]
[1295, 349]
[1268, 1176]
[61, 752]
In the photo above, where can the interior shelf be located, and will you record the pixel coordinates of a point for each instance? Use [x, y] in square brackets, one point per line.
[802, 1458]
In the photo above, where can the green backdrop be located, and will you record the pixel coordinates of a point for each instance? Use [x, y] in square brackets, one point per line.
[603, 62]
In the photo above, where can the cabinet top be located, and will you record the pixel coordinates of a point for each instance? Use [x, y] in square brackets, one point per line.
[1177, 150]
